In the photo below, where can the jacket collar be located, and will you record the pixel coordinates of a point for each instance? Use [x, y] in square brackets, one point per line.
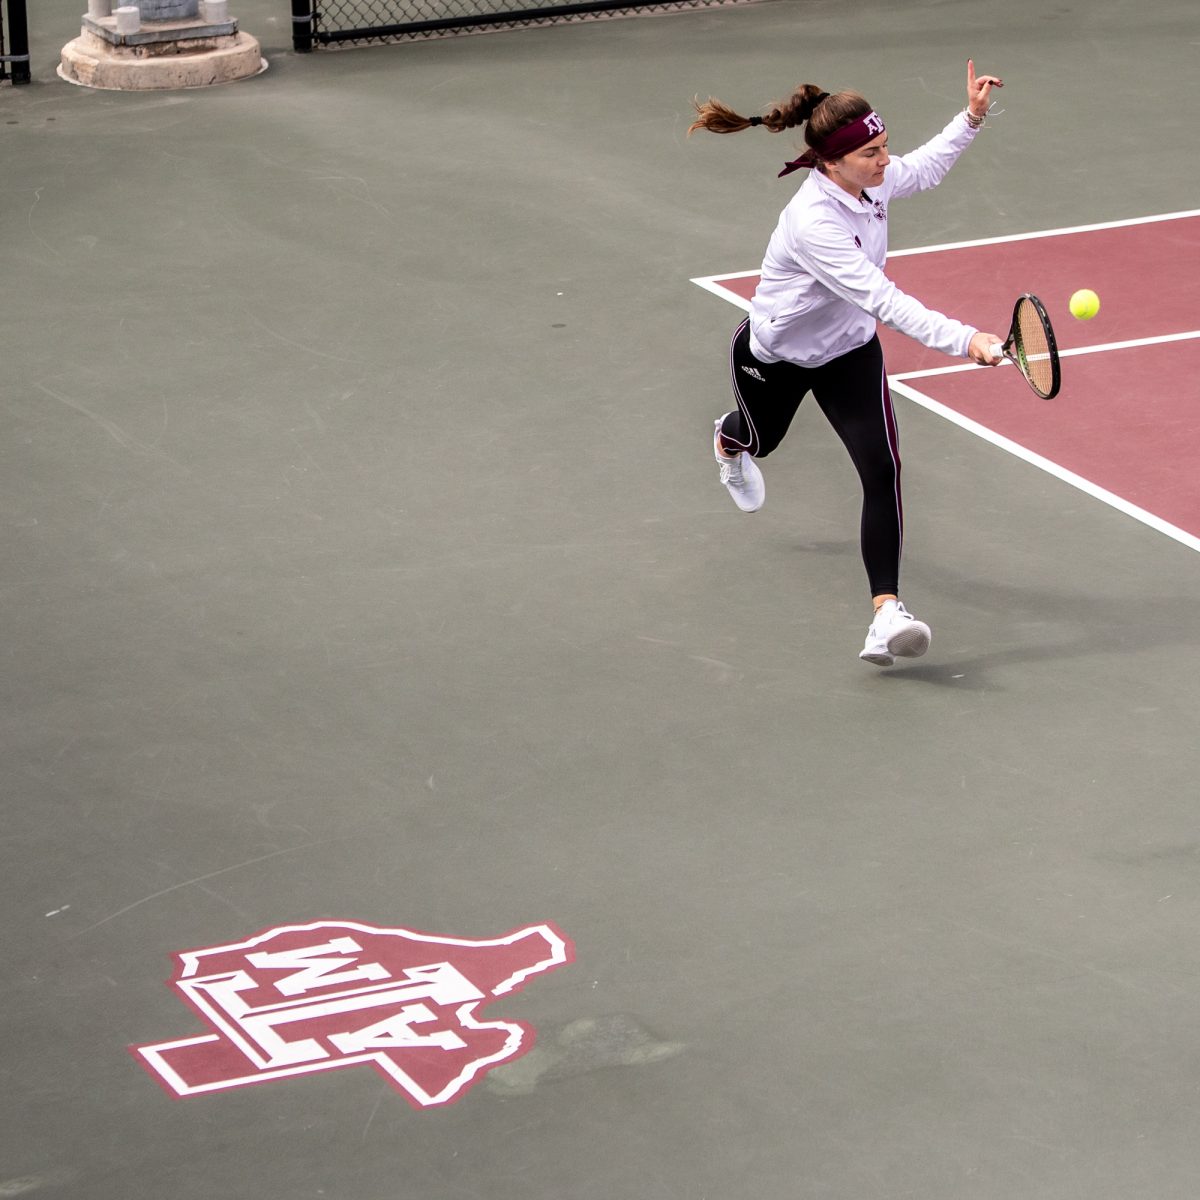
[831, 189]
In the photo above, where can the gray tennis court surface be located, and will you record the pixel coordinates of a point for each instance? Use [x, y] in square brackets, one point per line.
[366, 569]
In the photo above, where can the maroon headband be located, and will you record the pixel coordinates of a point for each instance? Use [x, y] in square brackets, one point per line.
[840, 141]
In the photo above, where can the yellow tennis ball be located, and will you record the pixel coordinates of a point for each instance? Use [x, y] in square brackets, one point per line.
[1085, 304]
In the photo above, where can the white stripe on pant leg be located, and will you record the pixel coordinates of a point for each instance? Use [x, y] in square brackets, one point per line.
[737, 391]
[893, 441]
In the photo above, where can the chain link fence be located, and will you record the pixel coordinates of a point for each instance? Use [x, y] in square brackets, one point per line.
[330, 22]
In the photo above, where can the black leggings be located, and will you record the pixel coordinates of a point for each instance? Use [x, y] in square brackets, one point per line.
[852, 392]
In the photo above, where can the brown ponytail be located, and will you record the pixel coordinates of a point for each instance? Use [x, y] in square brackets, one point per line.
[717, 117]
[819, 112]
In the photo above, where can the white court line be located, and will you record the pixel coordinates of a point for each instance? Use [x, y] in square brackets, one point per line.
[709, 284]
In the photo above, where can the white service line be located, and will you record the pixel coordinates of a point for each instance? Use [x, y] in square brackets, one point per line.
[1099, 348]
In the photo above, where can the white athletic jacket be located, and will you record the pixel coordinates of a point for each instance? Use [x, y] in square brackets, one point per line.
[823, 286]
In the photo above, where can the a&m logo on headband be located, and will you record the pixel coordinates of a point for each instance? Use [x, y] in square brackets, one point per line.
[874, 124]
[304, 998]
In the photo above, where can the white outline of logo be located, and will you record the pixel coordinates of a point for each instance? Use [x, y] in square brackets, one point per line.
[253, 1030]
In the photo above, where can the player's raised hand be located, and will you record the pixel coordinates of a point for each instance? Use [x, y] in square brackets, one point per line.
[979, 90]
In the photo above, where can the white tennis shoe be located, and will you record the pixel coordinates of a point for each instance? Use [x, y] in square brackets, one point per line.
[740, 475]
[895, 633]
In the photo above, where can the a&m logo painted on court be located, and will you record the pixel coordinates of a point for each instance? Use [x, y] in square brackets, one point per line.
[304, 998]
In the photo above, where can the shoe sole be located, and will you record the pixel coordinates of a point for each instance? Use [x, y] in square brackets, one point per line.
[910, 642]
[879, 658]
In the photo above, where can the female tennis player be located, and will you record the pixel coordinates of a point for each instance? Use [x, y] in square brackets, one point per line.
[812, 322]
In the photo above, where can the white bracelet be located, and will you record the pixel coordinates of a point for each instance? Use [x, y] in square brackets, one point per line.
[974, 121]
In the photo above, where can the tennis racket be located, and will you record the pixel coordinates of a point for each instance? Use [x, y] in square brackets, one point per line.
[1031, 347]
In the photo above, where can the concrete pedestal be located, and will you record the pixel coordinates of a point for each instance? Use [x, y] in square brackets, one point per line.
[122, 51]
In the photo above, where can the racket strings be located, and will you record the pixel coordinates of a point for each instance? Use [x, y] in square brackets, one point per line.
[1034, 350]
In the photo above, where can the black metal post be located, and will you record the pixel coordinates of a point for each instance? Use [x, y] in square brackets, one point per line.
[18, 42]
[304, 20]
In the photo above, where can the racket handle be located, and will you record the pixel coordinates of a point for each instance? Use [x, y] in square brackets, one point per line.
[997, 350]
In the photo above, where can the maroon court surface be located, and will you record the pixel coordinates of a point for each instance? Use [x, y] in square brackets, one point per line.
[1125, 418]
